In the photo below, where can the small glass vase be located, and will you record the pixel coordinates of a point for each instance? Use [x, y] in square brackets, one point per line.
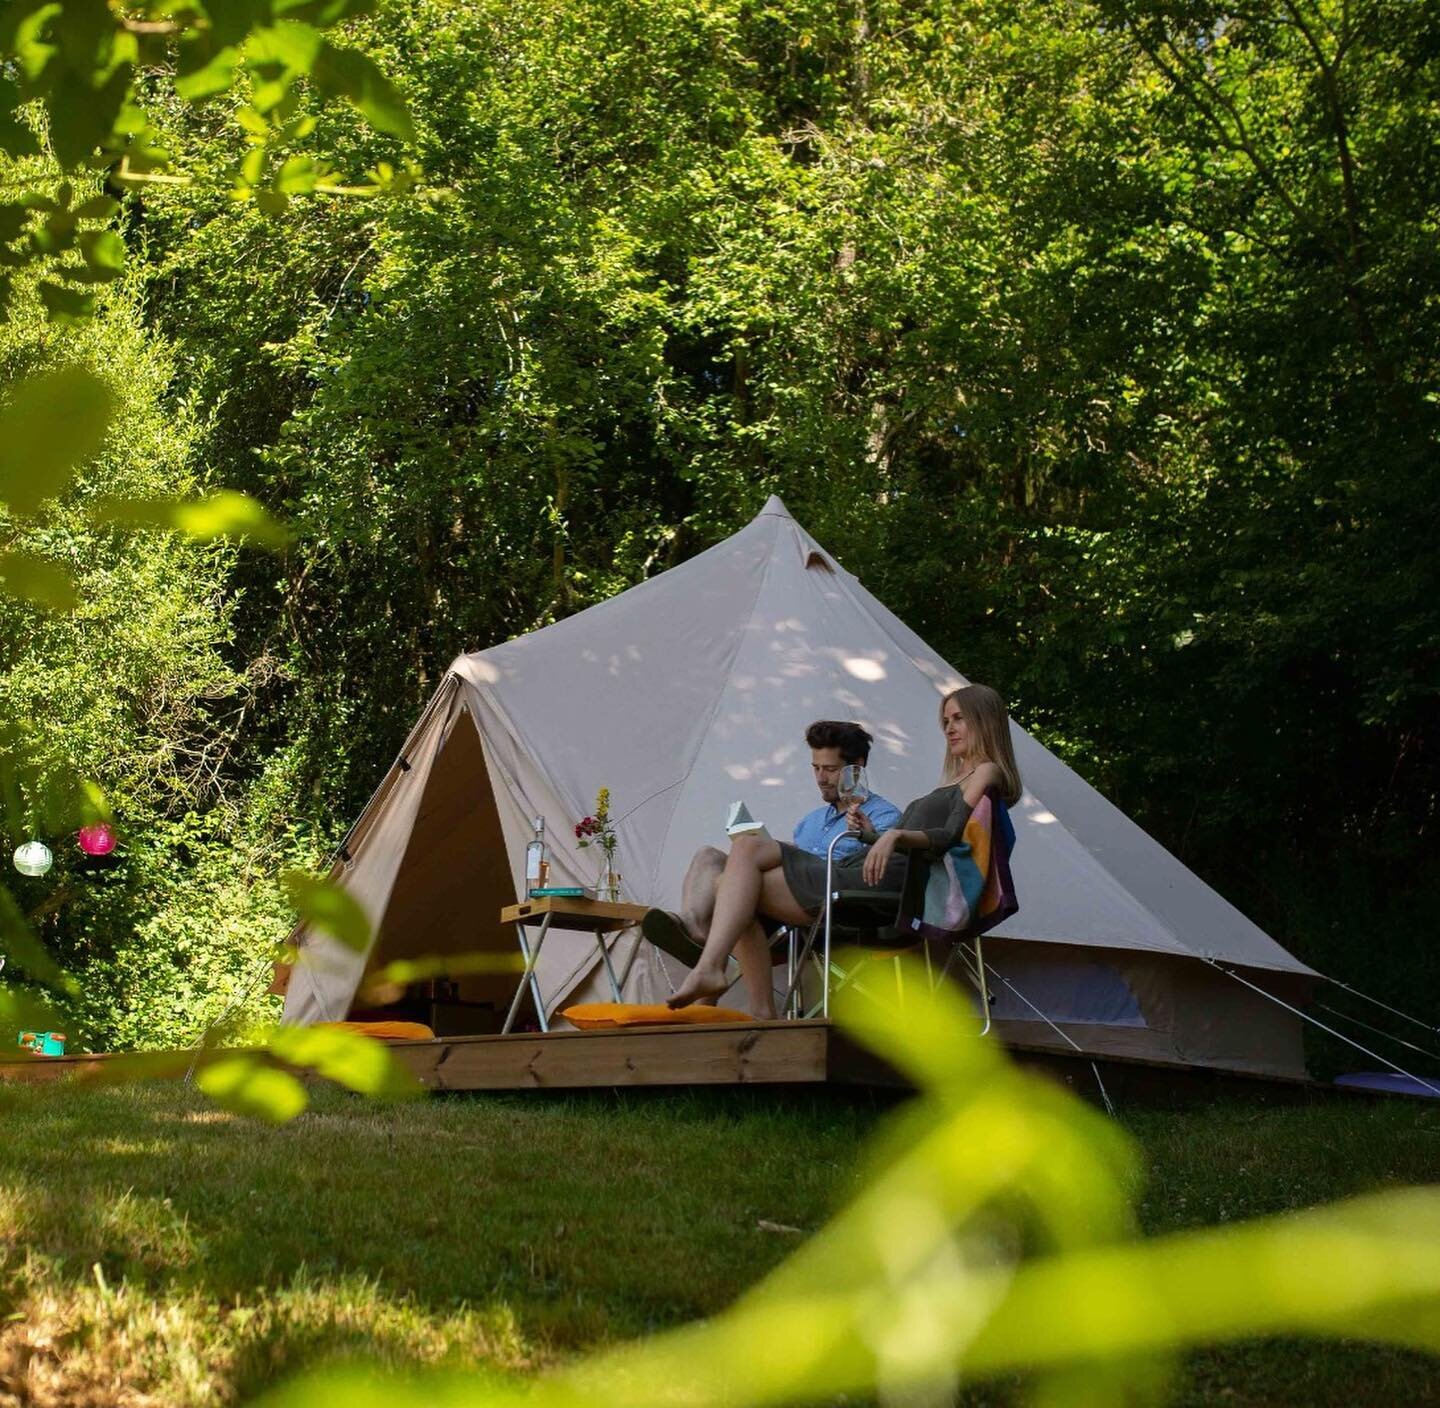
[607, 886]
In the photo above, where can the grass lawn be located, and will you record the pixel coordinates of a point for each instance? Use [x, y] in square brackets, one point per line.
[155, 1251]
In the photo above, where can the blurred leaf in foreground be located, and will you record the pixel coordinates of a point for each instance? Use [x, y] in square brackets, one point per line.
[327, 909]
[50, 425]
[227, 514]
[358, 1062]
[38, 580]
[249, 1085]
[20, 946]
[386, 983]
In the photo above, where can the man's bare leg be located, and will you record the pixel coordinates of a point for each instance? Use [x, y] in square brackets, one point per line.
[753, 883]
[697, 894]
[753, 950]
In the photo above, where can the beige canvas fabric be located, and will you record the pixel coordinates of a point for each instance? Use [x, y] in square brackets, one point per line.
[688, 692]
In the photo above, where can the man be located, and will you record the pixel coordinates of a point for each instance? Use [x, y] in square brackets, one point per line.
[833, 744]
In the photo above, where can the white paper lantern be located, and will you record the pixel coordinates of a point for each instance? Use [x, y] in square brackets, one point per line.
[33, 858]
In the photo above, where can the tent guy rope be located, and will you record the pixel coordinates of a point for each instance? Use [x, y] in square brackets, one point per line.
[1315, 1021]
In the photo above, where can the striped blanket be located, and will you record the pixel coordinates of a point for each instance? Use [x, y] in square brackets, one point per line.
[968, 890]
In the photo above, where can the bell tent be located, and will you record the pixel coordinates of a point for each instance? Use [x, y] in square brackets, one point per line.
[693, 690]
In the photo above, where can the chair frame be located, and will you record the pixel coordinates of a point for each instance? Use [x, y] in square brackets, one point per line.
[825, 920]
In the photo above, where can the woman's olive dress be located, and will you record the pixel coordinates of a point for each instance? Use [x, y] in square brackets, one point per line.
[941, 814]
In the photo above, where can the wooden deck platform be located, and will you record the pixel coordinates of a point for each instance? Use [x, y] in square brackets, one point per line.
[728, 1053]
[731, 1053]
[789, 1053]
[725, 1053]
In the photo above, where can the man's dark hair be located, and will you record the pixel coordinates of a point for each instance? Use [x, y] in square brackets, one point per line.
[852, 740]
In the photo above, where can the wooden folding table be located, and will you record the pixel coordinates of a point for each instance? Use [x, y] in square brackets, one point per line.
[598, 917]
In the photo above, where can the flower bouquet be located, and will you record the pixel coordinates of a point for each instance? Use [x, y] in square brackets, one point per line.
[597, 831]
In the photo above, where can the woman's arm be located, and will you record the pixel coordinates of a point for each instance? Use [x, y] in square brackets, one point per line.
[938, 839]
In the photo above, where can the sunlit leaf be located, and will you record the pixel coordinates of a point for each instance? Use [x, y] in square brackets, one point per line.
[250, 1086]
[206, 70]
[297, 176]
[51, 424]
[227, 514]
[91, 804]
[255, 124]
[327, 908]
[345, 71]
[293, 45]
[358, 1062]
[37, 580]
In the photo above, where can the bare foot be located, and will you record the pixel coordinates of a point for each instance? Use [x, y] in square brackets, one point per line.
[702, 982]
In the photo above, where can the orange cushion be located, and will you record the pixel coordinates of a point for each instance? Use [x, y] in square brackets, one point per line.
[639, 1014]
[386, 1031]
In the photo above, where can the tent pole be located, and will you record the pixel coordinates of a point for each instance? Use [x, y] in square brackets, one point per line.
[1306, 1017]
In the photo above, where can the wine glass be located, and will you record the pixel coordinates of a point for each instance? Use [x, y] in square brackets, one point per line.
[854, 786]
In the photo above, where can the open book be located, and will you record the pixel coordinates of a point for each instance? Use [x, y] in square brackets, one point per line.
[739, 822]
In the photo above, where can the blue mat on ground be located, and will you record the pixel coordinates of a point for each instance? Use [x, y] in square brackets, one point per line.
[1391, 1082]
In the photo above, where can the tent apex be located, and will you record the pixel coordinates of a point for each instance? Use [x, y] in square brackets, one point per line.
[775, 507]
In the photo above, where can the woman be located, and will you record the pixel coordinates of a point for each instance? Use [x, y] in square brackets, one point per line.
[766, 877]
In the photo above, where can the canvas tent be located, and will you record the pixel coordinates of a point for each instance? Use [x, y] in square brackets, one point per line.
[692, 690]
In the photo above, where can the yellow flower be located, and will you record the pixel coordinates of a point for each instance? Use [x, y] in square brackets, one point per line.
[602, 805]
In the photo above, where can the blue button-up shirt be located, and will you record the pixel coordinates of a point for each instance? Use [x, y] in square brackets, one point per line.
[817, 829]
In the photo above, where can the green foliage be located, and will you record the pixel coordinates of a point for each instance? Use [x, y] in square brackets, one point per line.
[1098, 343]
[121, 677]
[71, 86]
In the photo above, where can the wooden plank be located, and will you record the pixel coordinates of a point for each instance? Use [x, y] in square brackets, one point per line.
[42, 1070]
[570, 913]
[724, 1054]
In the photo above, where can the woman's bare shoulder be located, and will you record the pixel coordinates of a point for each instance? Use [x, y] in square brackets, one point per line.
[986, 775]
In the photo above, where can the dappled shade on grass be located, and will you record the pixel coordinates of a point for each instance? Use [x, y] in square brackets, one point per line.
[505, 1232]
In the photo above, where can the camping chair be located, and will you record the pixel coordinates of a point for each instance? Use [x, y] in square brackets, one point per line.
[859, 915]
[976, 886]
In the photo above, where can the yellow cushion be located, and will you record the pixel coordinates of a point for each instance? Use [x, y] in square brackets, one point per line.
[639, 1014]
[386, 1031]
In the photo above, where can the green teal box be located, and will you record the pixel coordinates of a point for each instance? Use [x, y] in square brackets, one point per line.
[44, 1043]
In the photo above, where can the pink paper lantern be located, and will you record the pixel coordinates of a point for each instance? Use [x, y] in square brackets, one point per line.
[97, 840]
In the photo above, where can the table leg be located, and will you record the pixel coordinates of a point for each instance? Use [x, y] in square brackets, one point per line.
[609, 967]
[528, 976]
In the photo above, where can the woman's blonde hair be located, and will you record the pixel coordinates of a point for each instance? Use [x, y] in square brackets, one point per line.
[984, 710]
